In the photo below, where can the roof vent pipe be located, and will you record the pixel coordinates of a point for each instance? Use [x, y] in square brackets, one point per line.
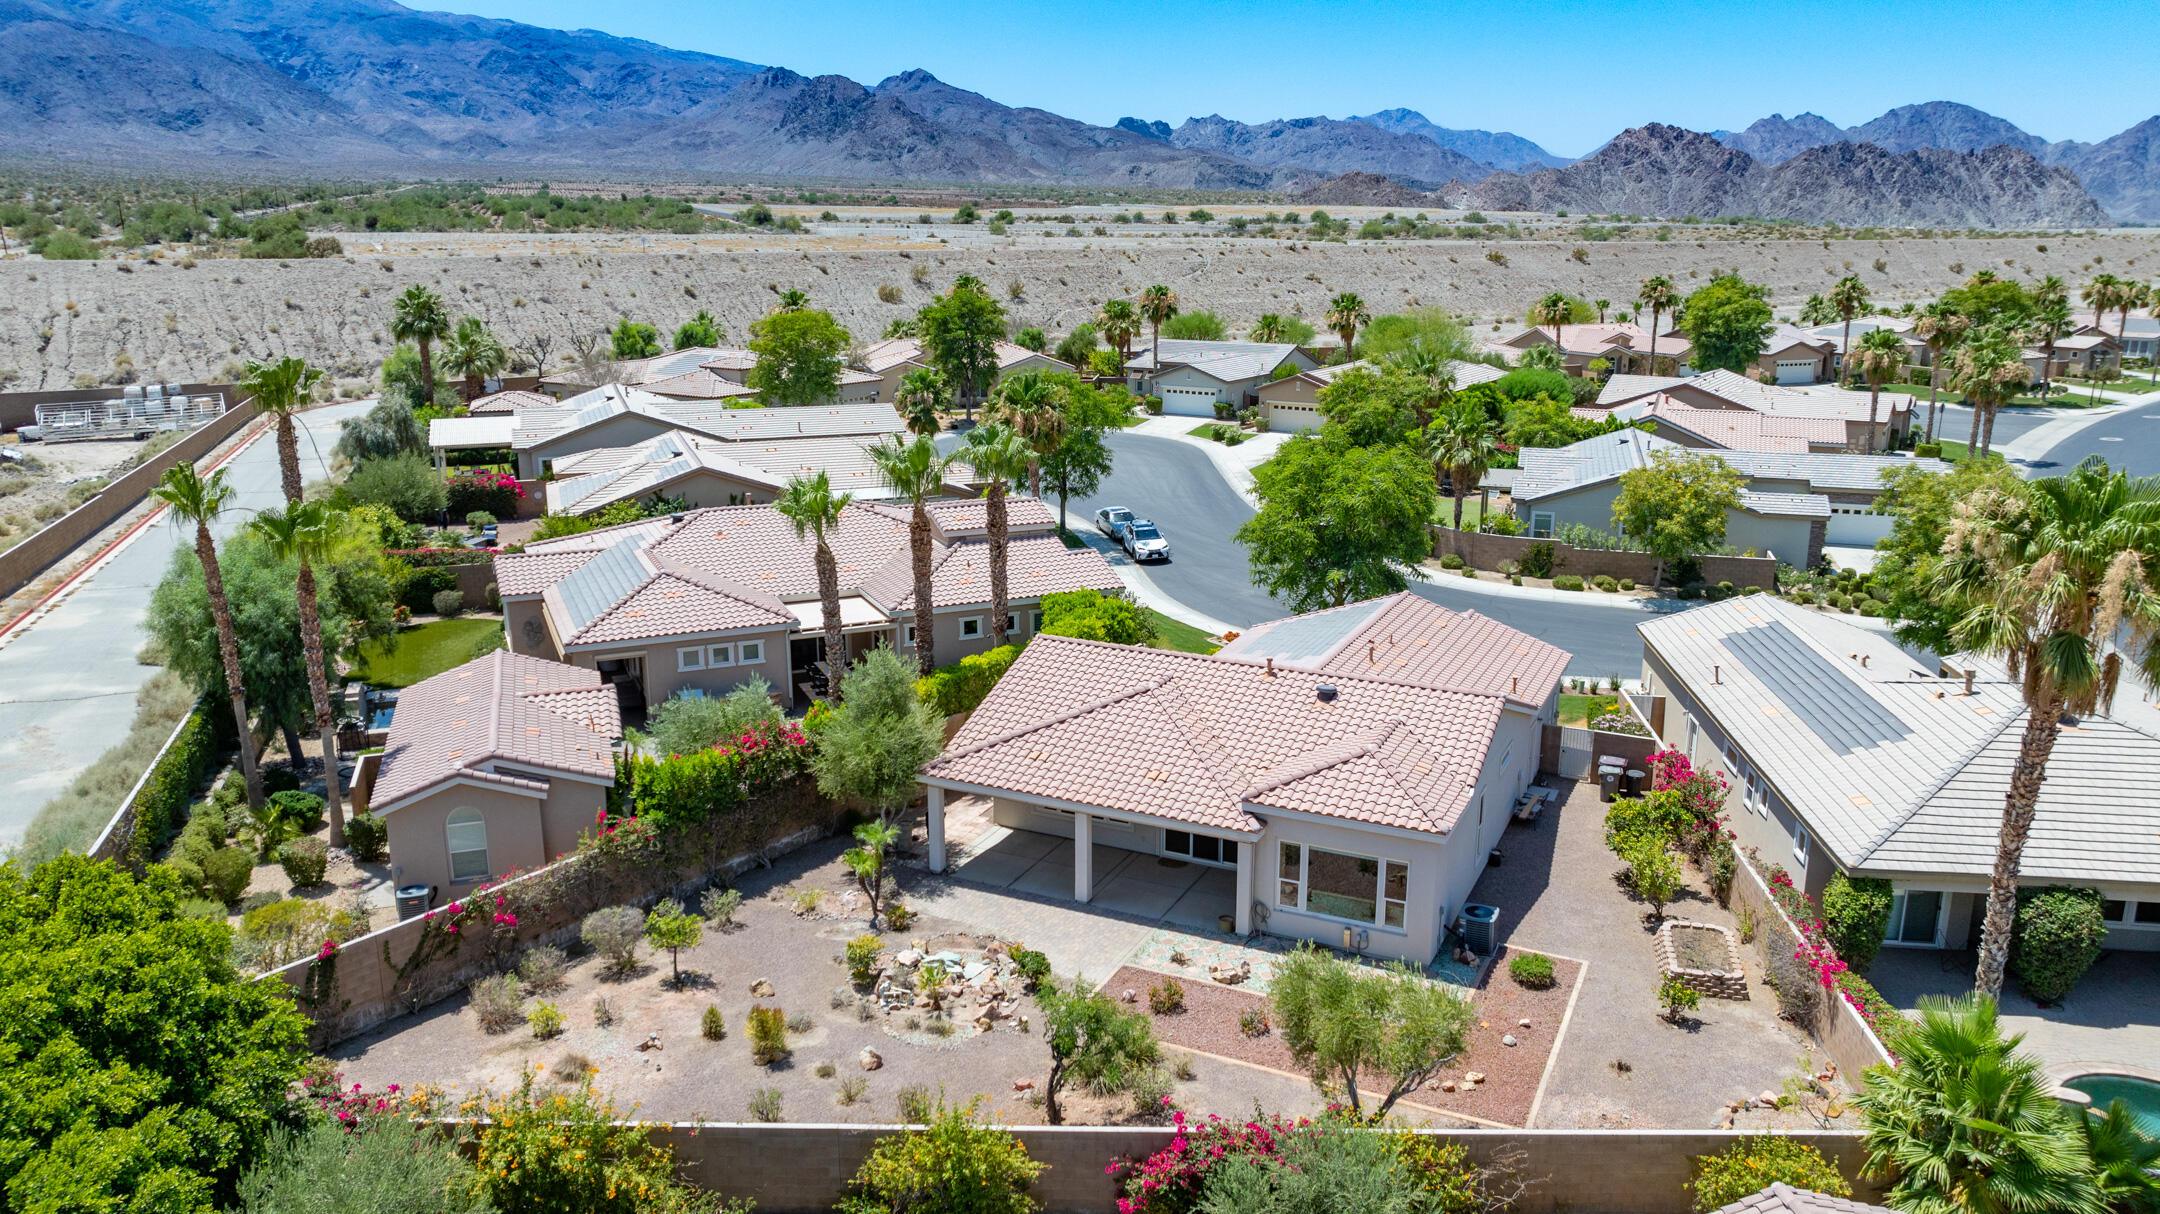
[1715, 678]
[1968, 680]
[1863, 661]
[674, 518]
[1326, 692]
[1271, 668]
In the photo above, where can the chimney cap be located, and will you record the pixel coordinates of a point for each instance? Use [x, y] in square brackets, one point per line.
[1325, 692]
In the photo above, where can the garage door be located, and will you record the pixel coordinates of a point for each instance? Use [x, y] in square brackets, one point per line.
[1796, 372]
[1293, 419]
[1856, 526]
[1188, 402]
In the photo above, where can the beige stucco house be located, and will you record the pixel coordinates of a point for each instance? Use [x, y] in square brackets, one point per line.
[1892, 411]
[493, 767]
[886, 363]
[1192, 377]
[1292, 404]
[1622, 346]
[702, 471]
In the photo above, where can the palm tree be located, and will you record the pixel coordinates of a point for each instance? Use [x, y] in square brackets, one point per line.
[1848, 298]
[2051, 579]
[418, 316]
[792, 300]
[1119, 324]
[2154, 365]
[473, 353]
[1433, 370]
[305, 532]
[810, 504]
[2125, 1159]
[1346, 314]
[999, 457]
[922, 393]
[1554, 309]
[1880, 358]
[1659, 296]
[1601, 305]
[1158, 303]
[1966, 1122]
[2129, 297]
[279, 390]
[1462, 443]
[2100, 295]
[1942, 329]
[2048, 324]
[916, 472]
[1271, 327]
[199, 501]
[1989, 369]
[1033, 404]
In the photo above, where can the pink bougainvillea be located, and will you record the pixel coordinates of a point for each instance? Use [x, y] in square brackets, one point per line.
[1170, 1180]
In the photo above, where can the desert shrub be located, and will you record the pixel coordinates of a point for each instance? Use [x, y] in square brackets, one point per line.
[852, 1089]
[825, 1070]
[1534, 970]
[1748, 590]
[545, 1020]
[304, 861]
[543, 968]
[1166, 997]
[1253, 1022]
[1755, 1163]
[1033, 966]
[407, 484]
[1677, 997]
[614, 932]
[719, 905]
[1856, 913]
[768, 1035]
[449, 604]
[862, 955]
[1451, 561]
[1567, 581]
[764, 1105]
[603, 1012]
[1627, 583]
[366, 837]
[917, 1104]
[1605, 582]
[288, 929]
[498, 1002]
[714, 1024]
[570, 1150]
[952, 1163]
[1149, 1091]
[897, 917]
[684, 725]
[1536, 561]
[396, 1167]
[2055, 939]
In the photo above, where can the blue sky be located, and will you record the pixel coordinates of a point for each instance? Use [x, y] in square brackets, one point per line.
[1566, 73]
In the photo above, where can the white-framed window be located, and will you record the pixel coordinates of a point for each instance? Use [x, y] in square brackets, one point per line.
[1541, 524]
[1035, 621]
[1340, 885]
[1732, 765]
[971, 626]
[692, 658]
[750, 652]
[721, 655]
[1759, 794]
[465, 832]
[907, 636]
[1800, 840]
[1207, 849]
[1694, 732]
[2123, 912]
[1917, 917]
[1290, 887]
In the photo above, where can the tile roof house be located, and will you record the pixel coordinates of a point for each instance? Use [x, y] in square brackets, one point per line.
[493, 766]
[1720, 389]
[888, 362]
[1725, 429]
[510, 402]
[705, 600]
[702, 471]
[1782, 1198]
[1292, 404]
[695, 373]
[1192, 376]
[2139, 336]
[1351, 767]
[1845, 753]
[1625, 347]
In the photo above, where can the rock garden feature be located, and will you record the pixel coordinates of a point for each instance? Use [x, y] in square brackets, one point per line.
[1704, 957]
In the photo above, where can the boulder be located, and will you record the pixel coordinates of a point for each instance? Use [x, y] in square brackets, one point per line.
[1508, 1039]
[1768, 1099]
[909, 957]
[870, 1059]
[1474, 1077]
[761, 989]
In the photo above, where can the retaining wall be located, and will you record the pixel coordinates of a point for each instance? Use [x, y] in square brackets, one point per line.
[787, 1168]
[1483, 551]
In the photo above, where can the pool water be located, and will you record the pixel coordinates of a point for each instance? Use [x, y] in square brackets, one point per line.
[2143, 1095]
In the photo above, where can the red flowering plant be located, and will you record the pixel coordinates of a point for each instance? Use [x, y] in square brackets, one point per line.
[472, 489]
[688, 788]
[1170, 1180]
[352, 1108]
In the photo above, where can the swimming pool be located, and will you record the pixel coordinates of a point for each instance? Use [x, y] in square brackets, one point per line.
[2143, 1095]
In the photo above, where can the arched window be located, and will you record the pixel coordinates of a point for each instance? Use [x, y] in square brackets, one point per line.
[466, 832]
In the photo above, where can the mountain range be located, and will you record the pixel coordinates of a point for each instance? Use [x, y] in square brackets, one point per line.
[361, 86]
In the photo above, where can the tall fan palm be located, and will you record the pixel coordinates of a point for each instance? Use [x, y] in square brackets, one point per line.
[1966, 1122]
[1346, 314]
[792, 300]
[2051, 579]
[1554, 309]
[811, 505]
[418, 316]
[922, 393]
[200, 501]
[1942, 329]
[2049, 323]
[1848, 298]
[1271, 327]
[1433, 370]
[999, 457]
[1659, 296]
[305, 532]
[1033, 404]
[1879, 359]
[1989, 369]
[2129, 297]
[1158, 303]
[1118, 323]
[473, 353]
[279, 390]
[916, 471]
[1462, 443]
[2100, 295]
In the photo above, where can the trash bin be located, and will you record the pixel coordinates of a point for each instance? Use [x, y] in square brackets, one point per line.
[413, 900]
[1608, 782]
[1634, 781]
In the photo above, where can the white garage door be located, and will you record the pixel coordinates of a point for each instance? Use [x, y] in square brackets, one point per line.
[1796, 372]
[1293, 419]
[1856, 526]
[1188, 402]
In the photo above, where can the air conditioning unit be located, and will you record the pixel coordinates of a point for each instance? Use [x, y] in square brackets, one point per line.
[1480, 927]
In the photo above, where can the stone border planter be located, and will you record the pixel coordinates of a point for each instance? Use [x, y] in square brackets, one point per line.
[1727, 983]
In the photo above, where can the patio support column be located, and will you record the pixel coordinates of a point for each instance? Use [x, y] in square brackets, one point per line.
[936, 829]
[1244, 887]
[1083, 858]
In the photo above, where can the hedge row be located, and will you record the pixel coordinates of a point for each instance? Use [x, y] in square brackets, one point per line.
[961, 686]
[432, 558]
[161, 804]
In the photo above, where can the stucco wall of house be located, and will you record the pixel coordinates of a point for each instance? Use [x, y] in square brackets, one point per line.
[663, 679]
[948, 646]
[1787, 538]
[1419, 936]
[518, 829]
[1592, 506]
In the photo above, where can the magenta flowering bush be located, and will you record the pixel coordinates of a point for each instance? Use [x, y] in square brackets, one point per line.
[687, 788]
[1170, 1180]
[472, 489]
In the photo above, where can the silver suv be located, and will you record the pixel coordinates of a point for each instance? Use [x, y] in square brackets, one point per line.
[1143, 542]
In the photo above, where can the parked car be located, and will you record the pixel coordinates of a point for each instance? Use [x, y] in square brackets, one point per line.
[1143, 541]
[1111, 519]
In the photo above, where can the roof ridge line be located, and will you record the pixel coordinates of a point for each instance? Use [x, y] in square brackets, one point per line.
[1070, 714]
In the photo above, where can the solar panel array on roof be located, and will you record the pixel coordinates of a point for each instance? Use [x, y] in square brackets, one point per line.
[1815, 689]
[601, 583]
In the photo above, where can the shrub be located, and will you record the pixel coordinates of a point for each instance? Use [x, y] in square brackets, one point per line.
[603, 1012]
[916, 1103]
[366, 837]
[1605, 582]
[1871, 609]
[1627, 583]
[852, 1089]
[1725, 588]
[683, 725]
[1691, 592]
[953, 1163]
[1747, 590]
[407, 484]
[1856, 913]
[1928, 450]
[2055, 939]
[1755, 1163]
[1537, 560]
[482, 490]
[1868, 1001]
[479, 518]
[719, 905]
[1677, 997]
[714, 1024]
[226, 873]
[800, 1022]
[287, 929]
[1451, 561]
[1567, 581]
[303, 809]
[614, 932]
[545, 1019]
[498, 1002]
[449, 604]
[1253, 1023]
[543, 968]
[569, 1150]
[961, 686]
[768, 1035]
[764, 1105]
[1166, 997]
[304, 861]
[862, 955]
[421, 585]
[1033, 966]
[897, 917]
[1534, 970]
[1150, 1091]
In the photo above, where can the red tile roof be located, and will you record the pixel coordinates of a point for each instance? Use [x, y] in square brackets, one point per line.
[504, 708]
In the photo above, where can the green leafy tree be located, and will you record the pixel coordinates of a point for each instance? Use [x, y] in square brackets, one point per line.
[701, 331]
[388, 428]
[1346, 1022]
[1430, 366]
[916, 473]
[1922, 506]
[1727, 320]
[1074, 348]
[866, 862]
[878, 739]
[1336, 526]
[960, 331]
[799, 356]
[1370, 407]
[1200, 325]
[814, 510]
[145, 1072]
[1092, 1041]
[199, 500]
[418, 316]
[673, 928]
[1092, 615]
[407, 484]
[1082, 457]
[632, 339]
[1675, 506]
[279, 390]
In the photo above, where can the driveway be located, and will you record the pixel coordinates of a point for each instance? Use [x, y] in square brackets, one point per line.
[70, 677]
[2109, 1023]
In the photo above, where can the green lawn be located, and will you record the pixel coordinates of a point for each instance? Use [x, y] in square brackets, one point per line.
[1472, 513]
[1176, 634]
[426, 649]
[1580, 710]
[2061, 400]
